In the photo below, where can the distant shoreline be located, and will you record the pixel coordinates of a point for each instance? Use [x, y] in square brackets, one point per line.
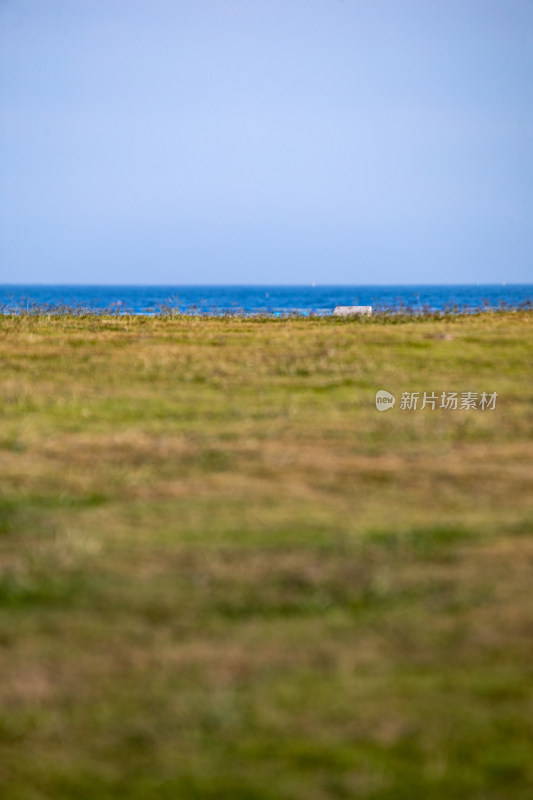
[266, 300]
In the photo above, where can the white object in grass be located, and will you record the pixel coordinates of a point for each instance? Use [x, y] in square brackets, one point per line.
[347, 311]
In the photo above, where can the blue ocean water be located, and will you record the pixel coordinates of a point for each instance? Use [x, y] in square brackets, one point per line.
[266, 299]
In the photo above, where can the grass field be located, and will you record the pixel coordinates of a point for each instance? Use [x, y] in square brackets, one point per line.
[224, 574]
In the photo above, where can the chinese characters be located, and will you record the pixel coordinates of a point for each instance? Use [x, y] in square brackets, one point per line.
[450, 401]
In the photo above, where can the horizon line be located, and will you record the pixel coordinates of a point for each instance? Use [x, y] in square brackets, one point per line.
[262, 285]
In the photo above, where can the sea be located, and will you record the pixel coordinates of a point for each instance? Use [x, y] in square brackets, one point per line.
[272, 300]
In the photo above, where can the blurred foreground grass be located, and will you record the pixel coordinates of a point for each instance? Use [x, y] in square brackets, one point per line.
[224, 574]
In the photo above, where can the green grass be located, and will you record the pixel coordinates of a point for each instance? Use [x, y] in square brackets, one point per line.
[224, 574]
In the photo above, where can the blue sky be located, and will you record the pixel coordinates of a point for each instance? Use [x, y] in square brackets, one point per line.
[266, 141]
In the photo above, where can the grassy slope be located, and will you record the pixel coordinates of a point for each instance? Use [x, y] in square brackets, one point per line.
[224, 574]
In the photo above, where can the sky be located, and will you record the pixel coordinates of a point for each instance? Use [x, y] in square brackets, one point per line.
[266, 141]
